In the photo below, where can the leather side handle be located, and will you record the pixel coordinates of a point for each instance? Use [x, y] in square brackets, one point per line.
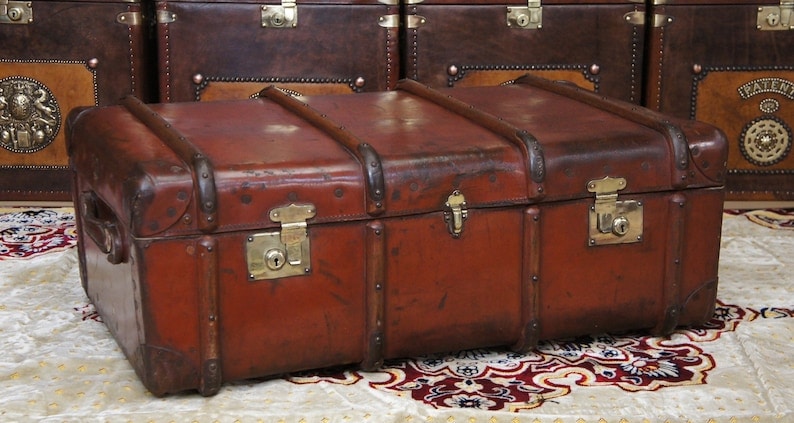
[105, 232]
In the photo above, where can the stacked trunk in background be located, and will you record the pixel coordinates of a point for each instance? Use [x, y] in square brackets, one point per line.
[210, 50]
[596, 44]
[731, 64]
[57, 55]
[728, 64]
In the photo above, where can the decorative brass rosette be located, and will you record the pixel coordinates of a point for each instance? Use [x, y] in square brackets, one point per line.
[765, 141]
[29, 115]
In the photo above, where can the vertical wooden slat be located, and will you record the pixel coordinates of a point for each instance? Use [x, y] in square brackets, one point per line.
[671, 284]
[375, 286]
[530, 281]
[209, 328]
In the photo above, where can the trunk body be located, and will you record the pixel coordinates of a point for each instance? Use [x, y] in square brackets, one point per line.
[251, 238]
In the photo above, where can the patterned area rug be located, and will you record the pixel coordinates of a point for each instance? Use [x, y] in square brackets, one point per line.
[500, 380]
[492, 380]
[27, 233]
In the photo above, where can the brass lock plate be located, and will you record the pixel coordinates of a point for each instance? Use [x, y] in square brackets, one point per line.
[612, 221]
[776, 18]
[530, 17]
[16, 12]
[625, 228]
[279, 254]
[278, 17]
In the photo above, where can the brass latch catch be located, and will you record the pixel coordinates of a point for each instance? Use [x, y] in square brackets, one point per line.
[283, 253]
[612, 221]
[530, 17]
[455, 213]
[16, 12]
[284, 16]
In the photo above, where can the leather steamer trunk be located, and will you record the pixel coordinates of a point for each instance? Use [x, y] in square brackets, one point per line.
[239, 239]
[220, 49]
[729, 63]
[58, 55]
[598, 45]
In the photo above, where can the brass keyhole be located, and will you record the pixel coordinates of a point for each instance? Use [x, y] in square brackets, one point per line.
[773, 19]
[522, 20]
[275, 259]
[278, 19]
[14, 14]
[620, 226]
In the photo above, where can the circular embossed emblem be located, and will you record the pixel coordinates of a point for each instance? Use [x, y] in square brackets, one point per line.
[769, 105]
[765, 141]
[29, 115]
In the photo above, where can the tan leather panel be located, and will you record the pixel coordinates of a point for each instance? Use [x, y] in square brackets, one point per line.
[756, 111]
[241, 90]
[70, 85]
[499, 77]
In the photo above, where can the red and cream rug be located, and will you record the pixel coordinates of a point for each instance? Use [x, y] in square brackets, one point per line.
[60, 364]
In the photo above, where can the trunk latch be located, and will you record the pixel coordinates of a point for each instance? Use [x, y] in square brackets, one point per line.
[283, 253]
[16, 12]
[530, 17]
[284, 16]
[455, 213]
[776, 18]
[613, 221]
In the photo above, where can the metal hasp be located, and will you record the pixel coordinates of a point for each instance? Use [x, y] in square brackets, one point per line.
[283, 253]
[16, 12]
[613, 221]
[776, 18]
[455, 213]
[284, 16]
[530, 17]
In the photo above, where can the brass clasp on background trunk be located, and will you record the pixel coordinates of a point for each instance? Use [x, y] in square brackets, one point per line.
[776, 18]
[530, 17]
[16, 12]
[284, 16]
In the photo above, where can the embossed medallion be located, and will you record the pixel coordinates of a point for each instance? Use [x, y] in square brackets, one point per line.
[29, 115]
[765, 141]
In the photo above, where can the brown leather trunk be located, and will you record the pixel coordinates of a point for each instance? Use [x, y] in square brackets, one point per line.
[55, 56]
[729, 63]
[239, 239]
[598, 44]
[213, 50]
